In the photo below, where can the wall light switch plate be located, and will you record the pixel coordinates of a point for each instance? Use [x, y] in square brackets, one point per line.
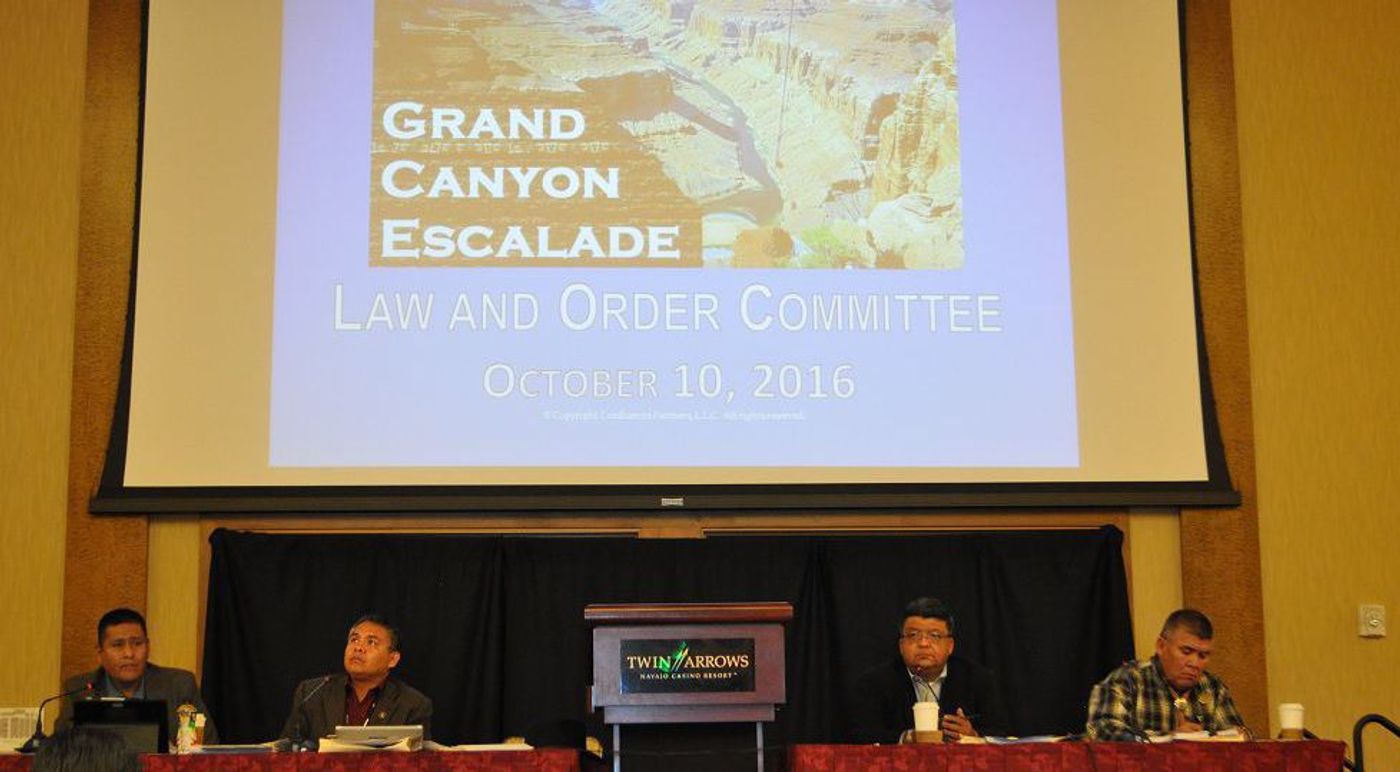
[1372, 621]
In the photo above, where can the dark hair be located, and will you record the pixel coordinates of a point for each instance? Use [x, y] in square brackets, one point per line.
[1190, 620]
[928, 608]
[118, 616]
[85, 749]
[378, 619]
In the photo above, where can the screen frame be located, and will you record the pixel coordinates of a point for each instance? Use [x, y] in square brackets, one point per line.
[113, 496]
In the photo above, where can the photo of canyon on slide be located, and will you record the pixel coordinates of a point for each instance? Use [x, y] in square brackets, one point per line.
[769, 133]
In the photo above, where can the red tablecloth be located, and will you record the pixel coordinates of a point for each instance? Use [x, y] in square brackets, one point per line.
[1104, 757]
[545, 760]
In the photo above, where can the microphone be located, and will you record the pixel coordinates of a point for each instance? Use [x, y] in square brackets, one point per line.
[324, 680]
[37, 739]
[1137, 732]
[300, 743]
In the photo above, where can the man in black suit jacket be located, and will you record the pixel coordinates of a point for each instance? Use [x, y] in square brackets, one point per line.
[123, 671]
[926, 669]
[365, 694]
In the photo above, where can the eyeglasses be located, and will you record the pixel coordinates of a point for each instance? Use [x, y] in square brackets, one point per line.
[914, 636]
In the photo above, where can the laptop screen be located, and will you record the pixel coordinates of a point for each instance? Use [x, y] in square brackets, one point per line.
[140, 723]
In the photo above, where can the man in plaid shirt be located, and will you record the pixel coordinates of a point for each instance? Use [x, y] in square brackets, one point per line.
[1172, 692]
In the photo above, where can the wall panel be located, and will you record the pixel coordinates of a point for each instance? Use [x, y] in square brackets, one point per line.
[41, 88]
[105, 558]
[1319, 119]
[1220, 548]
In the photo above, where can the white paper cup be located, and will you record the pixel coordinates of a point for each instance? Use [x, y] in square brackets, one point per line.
[1290, 720]
[925, 716]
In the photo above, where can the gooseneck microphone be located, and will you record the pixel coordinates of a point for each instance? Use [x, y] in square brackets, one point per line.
[1139, 734]
[303, 743]
[324, 680]
[38, 738]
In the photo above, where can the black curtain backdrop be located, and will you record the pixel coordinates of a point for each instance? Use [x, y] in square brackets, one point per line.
[492, 627]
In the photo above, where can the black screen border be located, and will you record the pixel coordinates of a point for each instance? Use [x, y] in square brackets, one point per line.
[115, 497]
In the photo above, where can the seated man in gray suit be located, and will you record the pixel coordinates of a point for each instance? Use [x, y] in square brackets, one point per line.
[365, 694]
[123, 671]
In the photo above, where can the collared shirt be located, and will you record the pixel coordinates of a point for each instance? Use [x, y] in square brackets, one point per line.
[357, 712]
[1136, 700]
[110, 689]
[928, 691]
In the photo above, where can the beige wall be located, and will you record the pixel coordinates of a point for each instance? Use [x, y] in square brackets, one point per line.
[1319, 135]
[173, 591]
[41, 88]
[1154, 572]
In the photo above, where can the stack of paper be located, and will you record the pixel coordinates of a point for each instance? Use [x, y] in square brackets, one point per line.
[432, 746]
[1225, 736]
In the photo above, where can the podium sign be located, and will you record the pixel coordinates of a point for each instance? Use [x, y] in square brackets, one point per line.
[680, 665]
[688, 663]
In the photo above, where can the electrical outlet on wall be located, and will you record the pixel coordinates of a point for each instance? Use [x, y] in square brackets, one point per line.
[1372, 621]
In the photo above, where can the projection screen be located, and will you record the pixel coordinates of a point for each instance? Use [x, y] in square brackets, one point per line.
[646, 253]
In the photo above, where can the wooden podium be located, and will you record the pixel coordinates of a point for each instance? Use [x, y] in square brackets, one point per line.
[688, 663]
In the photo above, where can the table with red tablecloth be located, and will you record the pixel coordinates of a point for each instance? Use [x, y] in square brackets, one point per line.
[1049, 757]
[544, 760]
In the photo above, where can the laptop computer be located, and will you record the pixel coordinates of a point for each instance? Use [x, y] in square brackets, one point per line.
[379, 736]
[140, 723]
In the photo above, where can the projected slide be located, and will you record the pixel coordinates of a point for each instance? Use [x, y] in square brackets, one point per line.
[672, 233]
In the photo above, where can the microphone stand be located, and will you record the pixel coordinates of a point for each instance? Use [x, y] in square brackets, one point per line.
[299, 743]
[37, 739]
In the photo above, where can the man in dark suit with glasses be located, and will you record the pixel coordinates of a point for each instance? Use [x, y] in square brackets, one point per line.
[927, 670]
